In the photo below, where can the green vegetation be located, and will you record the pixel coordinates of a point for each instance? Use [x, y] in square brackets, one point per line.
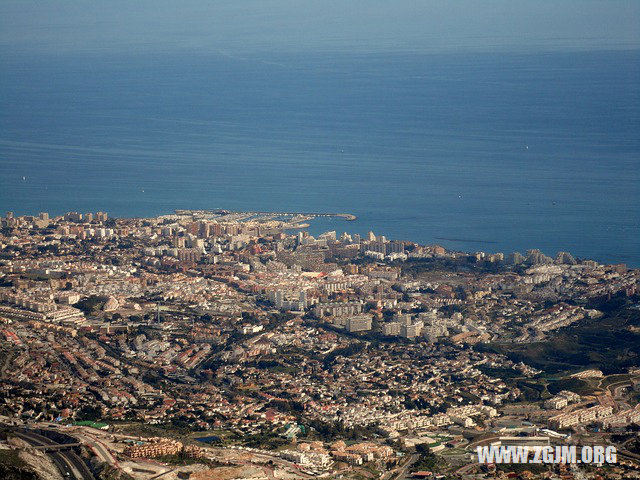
[416, 266]
[89, 423]
[92, 304]
[572, 384]
[614, 379]
[496, 372]
[287, 406]
[427, 460]
[349, 351]
[89, 413]
[607, 343]
[265, 439]
[522, 467]
[531, 391]
[330, 432]
[147, 430]
[276, 366]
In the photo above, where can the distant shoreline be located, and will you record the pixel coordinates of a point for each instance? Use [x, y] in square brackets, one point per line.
[347, 216]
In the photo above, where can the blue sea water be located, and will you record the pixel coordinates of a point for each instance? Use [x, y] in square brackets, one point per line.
[475, 151]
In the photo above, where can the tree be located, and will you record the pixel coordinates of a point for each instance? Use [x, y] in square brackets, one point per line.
[91, 304]
[89, 412]
[427, 460]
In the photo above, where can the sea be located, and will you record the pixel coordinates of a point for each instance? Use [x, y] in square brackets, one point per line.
[475, 151]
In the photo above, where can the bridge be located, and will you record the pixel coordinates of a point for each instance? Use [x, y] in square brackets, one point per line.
[56, 447]
[68, 463]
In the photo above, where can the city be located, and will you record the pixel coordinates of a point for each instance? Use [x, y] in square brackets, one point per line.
[221, 344]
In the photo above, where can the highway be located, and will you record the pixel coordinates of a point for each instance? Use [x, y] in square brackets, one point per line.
[99, 448]
[69, 464]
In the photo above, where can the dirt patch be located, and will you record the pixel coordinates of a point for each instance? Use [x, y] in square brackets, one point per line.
[41, 464]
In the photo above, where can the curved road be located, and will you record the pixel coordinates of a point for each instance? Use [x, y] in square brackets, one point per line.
[69, 464]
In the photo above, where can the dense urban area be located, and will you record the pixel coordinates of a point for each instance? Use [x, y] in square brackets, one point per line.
[234, 345]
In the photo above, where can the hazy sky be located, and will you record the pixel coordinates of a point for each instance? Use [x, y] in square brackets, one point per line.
[325, 25]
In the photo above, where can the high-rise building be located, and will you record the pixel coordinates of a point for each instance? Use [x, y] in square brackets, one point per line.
[73, 217]
[179, 242]
[410, 331]
[205, 230]
[565, 258]
[395, 247]
[359, 323]
[216, 230]
[377, 246]
[391, 329]
[303, 298]
[189, 255]
[536, 257]
[338, 309]
[515, 258]
[193, 228]
[403, 318]
[345, 238]
[279, 299]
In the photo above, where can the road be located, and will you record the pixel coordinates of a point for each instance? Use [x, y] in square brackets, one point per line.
[466, 468]
[399, 472]
[99, 448]
[486, 440]
[616, 384]
[69, 464]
